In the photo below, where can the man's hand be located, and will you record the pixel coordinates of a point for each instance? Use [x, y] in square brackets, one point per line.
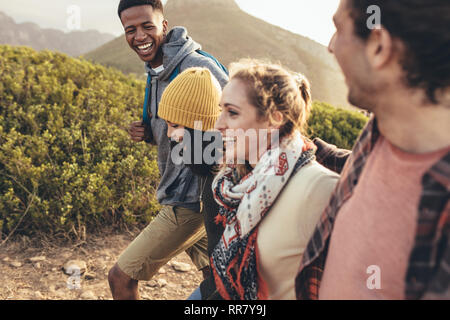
[137, 131]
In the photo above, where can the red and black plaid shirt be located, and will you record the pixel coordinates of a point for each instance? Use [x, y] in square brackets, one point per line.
[428, 271]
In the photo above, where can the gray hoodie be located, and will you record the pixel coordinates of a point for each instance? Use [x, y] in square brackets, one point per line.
[178, 186]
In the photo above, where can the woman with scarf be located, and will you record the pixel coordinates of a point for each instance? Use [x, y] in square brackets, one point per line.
[271, 191]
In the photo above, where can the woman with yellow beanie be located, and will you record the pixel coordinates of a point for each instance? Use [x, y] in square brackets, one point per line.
[190, 107]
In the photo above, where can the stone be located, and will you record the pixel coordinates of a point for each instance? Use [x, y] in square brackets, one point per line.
[37, 265]
[88, 295]
[54, 269]
[73, 266]
[89, 276]
[66, 255]
[15, 264]
[6, 259]
[173, 286]
[36, 259]
[181, 267]
[162, 271]
[152, 284]
[38, 295]
[61, 293]
[162, 282]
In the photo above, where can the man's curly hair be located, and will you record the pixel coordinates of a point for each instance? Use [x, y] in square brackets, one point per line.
[126, 4]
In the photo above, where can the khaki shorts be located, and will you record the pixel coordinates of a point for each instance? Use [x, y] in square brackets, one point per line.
[171, 232]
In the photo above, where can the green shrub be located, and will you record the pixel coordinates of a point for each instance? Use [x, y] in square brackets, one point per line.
[67, 164]
[336, 126]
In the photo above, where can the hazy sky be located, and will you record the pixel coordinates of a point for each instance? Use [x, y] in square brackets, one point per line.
[309, 18]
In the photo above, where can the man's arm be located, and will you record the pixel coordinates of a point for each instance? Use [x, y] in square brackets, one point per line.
[139, 132]
[439, 285]
[330, 156]
[148, 134]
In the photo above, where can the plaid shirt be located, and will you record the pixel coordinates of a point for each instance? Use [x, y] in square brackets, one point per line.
[428, 273]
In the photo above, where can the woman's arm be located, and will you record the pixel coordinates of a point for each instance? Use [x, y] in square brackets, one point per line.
[330, 156]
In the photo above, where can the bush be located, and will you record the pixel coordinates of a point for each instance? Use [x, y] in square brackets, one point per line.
[67, 164]
[336, 126]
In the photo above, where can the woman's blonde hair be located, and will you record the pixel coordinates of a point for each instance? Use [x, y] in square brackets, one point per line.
[271, 88]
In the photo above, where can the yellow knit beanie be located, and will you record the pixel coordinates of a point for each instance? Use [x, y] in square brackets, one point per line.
[193, 95]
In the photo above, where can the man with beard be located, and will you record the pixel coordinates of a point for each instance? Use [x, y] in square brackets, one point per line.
[386, 231]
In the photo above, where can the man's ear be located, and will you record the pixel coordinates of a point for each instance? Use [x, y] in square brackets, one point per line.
[379, 47]
[165, 26]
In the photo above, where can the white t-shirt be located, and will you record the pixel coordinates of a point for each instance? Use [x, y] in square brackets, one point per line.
[159, 69]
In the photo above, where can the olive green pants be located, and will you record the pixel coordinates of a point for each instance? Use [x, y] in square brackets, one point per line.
[171, 232]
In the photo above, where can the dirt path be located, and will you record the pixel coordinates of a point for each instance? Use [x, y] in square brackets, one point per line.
[22, 279]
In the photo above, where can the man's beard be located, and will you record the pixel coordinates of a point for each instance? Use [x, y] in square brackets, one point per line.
[364, 94]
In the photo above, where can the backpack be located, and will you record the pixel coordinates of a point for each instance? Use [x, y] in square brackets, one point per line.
[175, 73]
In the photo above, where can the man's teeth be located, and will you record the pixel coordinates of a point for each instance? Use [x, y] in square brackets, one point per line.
[145, 46]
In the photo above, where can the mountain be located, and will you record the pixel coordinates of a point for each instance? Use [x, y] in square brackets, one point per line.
[230, 34]
[30, 34]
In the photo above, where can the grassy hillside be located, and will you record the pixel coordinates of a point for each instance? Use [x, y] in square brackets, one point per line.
[231, 34]
[67, 165]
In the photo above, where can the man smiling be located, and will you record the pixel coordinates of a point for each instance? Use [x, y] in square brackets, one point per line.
[390, 212]
[145, 32]
[179, 226]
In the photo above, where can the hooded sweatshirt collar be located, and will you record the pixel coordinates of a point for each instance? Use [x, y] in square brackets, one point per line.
[177, 46]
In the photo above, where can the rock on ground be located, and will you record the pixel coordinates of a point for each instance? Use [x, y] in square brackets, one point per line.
[36, 259]
[88, 295]
[38, 295]
[26, 281]
[72, 266]
[181, 267]
[162, 282]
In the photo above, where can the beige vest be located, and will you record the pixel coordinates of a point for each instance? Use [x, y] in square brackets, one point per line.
[284, 233]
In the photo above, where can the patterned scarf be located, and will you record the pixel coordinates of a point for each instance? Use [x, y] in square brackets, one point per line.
[243, 204]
